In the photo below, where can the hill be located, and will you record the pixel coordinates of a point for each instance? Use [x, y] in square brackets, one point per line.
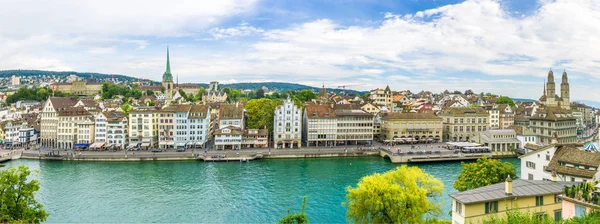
[284, 87]
[85, 75]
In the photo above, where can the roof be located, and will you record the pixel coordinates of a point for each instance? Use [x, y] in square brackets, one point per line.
[234, 131]
[187, 86]
[521, 188]
[464, 112]
[553, 114]
[316, 111]
[114, 115]
[260, 132]
[153, 88]
[73, 111]
[198, 111]
[575, 156]
[231, 111]
[61, 103]
[88, 102]
[411, 116]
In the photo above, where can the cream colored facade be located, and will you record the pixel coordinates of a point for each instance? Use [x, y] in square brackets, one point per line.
[85, 132]
[49, 119]
[68, 126]
[464, 124]
[370, 108]
[382, 98]
[402, 127]
[81, 88]
[143, 127]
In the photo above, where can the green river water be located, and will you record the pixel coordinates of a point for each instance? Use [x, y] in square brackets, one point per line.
[233, 192]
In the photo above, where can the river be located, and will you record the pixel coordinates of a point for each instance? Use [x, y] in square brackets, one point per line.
[233, 192]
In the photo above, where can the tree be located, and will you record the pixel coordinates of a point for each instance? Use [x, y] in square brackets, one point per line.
[505, 100]
[397, 196]
[17, 197]
[468, 92]
[298, 218]
[260, 93]
[126, 108]
[200, 93]
[305, 95]
[482, 173]
[149, 93]
[261, 112]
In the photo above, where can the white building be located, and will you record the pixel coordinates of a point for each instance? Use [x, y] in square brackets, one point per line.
[494, 117]
[11, 132]
[231, 126]
[569, 164]
[27, 136]
[100, 132]
[85, 133]
[287, 130]
[117, 126]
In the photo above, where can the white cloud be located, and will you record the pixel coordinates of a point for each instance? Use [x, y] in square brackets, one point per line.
[101, 50]
[243, 29]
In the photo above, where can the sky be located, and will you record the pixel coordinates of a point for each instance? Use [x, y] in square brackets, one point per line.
[505, 47]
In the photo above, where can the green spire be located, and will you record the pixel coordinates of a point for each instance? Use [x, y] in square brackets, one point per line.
[167, 76]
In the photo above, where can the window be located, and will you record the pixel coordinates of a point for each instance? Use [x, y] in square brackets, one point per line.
[539, 200]
[557, 215]
[491, 207]
[580, 211]
[530, 176]
[530, 164]
[458, 207]
[557, 199]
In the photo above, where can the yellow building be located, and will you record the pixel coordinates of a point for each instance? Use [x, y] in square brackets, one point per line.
[143, 127]
[81, 88]
[536, 197]
[408, 127]
[464, 124]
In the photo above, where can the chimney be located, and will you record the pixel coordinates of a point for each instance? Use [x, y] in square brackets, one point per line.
[553, 176]
[508, 187]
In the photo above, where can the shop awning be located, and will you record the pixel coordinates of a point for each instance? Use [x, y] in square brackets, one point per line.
[97, 144]
[81, 145]
[180, 144]
[145, 144]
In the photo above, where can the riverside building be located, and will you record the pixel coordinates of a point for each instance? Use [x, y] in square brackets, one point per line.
[411, 127]
[287, 130]
[464, 124]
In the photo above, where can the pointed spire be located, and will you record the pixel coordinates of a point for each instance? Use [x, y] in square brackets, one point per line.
[168, 62]
[544, 87]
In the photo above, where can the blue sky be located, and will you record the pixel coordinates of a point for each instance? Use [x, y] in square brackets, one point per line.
[500, 46]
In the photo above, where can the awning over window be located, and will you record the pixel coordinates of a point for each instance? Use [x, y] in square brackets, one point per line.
[97, 144]
[146, 144]
[82, 145]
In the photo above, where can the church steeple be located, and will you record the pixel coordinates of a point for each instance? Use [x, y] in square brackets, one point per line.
[167, 76]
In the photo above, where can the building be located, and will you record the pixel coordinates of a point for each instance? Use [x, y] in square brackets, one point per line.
[68, 125]
[550, 98]
[167, 80]
[354, 125]
[15, 80]
[231, 126]
[410, 127]
[382, 97]
[507, 116]
[184, 126]
[170, 88]
[494, 117]
[586, 112]
[88, 87]
[100, 123]
[527, 196]
[319, 125]
[464, 124]
[554, 122]
[534, 163]
[573, 207]
[499, 140]
[525, 136]
[11, 133]
[143, 127]
[370, 108]
[49, 119]
[116, 129]
[214, 97]
[255, 138]
[85, 133]
[287, 130]
[573, 164]
[28, 136]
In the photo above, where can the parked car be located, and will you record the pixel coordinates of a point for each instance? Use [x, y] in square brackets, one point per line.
[156, 150]
[180, 150]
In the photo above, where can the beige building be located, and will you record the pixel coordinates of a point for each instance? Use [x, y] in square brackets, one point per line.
[85, 133]
[370, 108]
[320, 125]
[410, 127]
[499, 140]
[507, 116]
[354, 125]
[554, 122]
[15, 80]
[49, 119]
[143, 127]
[382, 98]
[68, 126]
[81, 88]
[214, 97]
[464, 124]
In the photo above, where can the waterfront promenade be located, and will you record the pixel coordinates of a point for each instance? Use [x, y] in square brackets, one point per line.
[396, 154]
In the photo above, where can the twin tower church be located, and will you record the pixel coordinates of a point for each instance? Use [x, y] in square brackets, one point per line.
[550, 98]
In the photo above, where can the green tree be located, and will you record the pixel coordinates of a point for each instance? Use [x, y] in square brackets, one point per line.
[505, 100]
[296, 218]
[274, 95]
[305, 95]
[17, 197]
[234, 95]
[397, 196]
[200, 93]
[149, 93]
[260, 93]
[126, 108]
[482, 173]
[260, 113]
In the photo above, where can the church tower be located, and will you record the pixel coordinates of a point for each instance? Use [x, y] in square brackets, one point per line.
[564, 91]
[167, 80]
[551, 90]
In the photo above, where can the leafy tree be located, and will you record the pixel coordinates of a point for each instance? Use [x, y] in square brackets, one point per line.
[274, 95]
[468, 92]
[482, 173]
[149, 93]
[260, 93]
[234, 95]
[298, 218]
[366, 95]
[505, 100]
[261, 112]
[39, 94]
[251, 95]
[17, 197]
[200, 93]
[126, 108]
[162, 89]
[456, 92]
[397, 196]
[305, 95]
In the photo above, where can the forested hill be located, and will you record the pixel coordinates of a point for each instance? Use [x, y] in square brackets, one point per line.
[283, 87]
[85, 75]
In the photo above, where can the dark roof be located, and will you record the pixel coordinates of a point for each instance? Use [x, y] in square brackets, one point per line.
[575, 156]
[198, 111]
[153, 88]
[411, 116]
[521, 188]
[465, 111]
[88, 102]
[261, 132]
[187, 86]
[114, 115]
[61, 103]
[73, 111]
[231, 111]
[234, 131]
[317, 111]
[553, 114]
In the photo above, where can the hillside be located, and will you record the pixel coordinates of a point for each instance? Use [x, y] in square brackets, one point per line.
[283, 87]
[85, 75]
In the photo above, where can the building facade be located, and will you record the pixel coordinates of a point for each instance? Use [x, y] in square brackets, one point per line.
[143, 127]
[49, 119]
[287, 130]
[320, 125]
[554, 123]
[499, 140]
[464, 124]
[411, 127]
